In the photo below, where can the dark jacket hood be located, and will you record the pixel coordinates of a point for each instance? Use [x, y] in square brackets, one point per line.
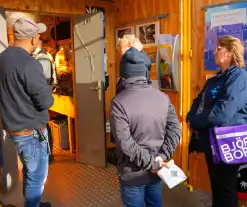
[134, 63]
[137, 82]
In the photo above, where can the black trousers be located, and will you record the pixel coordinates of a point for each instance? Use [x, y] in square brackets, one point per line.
[223, 180]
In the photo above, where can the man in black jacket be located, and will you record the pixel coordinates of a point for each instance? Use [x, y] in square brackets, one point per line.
[25, 98]
[146, 131]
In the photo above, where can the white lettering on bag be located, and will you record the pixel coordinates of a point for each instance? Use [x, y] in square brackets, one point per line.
[235, 150]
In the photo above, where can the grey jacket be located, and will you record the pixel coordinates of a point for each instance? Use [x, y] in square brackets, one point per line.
[144, 125]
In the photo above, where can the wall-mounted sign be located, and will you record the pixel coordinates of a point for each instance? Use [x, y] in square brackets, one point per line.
[168, 62]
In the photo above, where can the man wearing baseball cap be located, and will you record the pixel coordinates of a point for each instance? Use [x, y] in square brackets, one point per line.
[25, 98]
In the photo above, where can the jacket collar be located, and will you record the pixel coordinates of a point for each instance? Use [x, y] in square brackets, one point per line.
[134, 82]
[229, 70]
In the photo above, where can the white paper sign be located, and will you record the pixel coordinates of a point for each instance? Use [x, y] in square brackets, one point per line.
[235, 16]
[172, 176]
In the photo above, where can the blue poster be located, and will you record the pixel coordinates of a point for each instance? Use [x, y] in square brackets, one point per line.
[229, 20]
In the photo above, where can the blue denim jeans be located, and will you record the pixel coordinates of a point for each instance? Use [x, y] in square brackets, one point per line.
[144, 195]
[34, 156]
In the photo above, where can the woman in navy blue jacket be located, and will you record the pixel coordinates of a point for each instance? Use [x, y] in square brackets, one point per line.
[222, 102]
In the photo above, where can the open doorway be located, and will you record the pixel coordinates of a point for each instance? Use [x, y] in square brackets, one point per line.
[79, 62]
[56, 44]
[75, 45]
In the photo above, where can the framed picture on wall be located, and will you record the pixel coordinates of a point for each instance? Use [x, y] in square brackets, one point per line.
[119, 33]
[148, 33]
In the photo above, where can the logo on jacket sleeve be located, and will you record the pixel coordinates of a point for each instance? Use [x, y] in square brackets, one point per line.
[214, 91]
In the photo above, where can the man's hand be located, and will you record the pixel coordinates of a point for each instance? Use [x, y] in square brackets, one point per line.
[158, 159]
[162, 164]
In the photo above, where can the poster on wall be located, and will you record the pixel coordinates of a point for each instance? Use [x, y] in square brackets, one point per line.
[148, 33]
[168, 62]
[228, 20]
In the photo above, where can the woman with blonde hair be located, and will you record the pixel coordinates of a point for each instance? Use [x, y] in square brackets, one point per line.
[222, 102]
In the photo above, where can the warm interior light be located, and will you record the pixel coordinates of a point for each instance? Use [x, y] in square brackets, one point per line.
[60, 60]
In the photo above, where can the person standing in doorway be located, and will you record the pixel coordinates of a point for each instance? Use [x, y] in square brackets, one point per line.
[25, 98]
[146, 131]
[51, 79]
[48, 66]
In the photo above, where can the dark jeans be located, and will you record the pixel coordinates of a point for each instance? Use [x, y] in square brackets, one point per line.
[223, 180]
[34, 157]
[137, 196]
[50, 141]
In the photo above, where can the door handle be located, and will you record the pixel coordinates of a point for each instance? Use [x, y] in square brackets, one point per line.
[97, 88]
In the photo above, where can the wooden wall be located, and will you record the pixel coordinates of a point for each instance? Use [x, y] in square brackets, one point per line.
[198, 169]
[129, 10]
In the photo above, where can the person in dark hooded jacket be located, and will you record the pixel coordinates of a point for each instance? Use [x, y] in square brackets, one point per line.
[125, 43]
[148, 66]
[222, 102]
[145, 127]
